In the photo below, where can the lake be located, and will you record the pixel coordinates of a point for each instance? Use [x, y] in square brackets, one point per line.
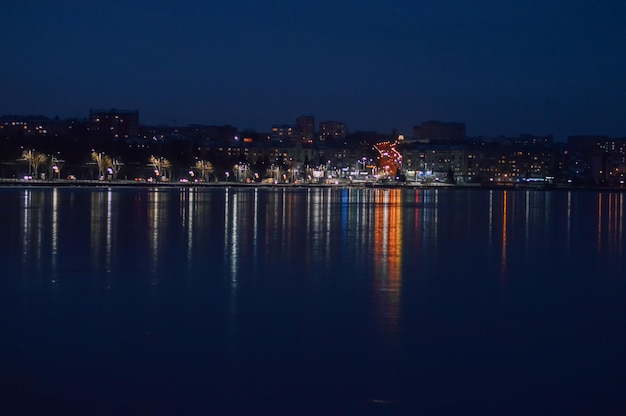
[311, 301]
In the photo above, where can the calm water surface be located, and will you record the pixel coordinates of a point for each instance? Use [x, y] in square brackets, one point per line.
[311, 301]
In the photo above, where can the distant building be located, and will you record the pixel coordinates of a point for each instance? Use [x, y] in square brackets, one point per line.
[504, 160]
[303, 155]
[602, 158]
[282, 133]
[114, 124]
[432, 161]
[32, 126]
[210, 133]
[434, 130]
[588, 144]
[332, 131]
[532, 140]
[305, 128]
[13, 127]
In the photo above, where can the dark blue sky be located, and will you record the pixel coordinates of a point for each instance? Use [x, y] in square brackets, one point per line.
[501, 67]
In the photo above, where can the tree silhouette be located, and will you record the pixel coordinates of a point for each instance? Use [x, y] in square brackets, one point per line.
[162, 166]
[101, 160]
[34, 159]
[450, 176]
[205, 167]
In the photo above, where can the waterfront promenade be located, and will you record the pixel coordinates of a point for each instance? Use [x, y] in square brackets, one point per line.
[143, 183]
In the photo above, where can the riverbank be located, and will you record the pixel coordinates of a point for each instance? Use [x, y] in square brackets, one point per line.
[167, 184]
[416, 185]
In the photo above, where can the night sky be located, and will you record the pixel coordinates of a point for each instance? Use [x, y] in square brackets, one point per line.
[502, 67]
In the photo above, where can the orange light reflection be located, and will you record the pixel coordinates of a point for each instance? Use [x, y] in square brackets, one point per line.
[388, 257]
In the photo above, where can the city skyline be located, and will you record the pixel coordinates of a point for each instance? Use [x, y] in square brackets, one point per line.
[500, 69]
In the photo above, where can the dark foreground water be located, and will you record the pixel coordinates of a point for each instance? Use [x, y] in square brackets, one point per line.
[311, 301]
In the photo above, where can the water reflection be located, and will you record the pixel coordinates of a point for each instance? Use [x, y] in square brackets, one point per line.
[158, 212]
[244, 235]
[102, 230]
[316, 221]
[231, 240]
[569, 219]
[430, 219]
[620, 226]
[97, 213]
[387, 258]
[190, 214]
[392, 291]
[25, 237]
[504, 226]
[55, 234]
[33, 209]
[610, 224]
[490, 230]
[255, 226]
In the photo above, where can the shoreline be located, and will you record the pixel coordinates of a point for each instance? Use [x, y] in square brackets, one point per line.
[86, 183]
